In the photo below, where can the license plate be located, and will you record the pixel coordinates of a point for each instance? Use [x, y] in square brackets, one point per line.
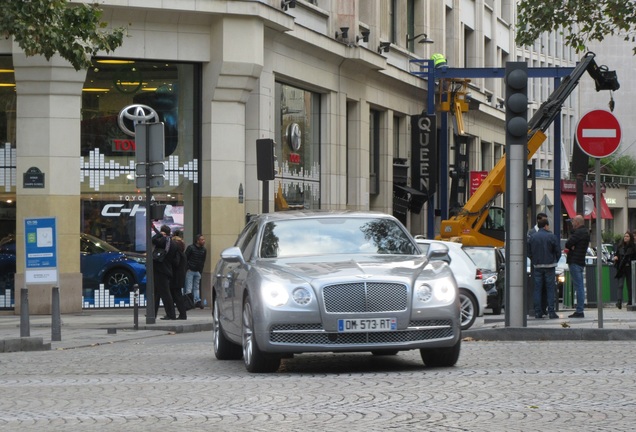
[367, 325]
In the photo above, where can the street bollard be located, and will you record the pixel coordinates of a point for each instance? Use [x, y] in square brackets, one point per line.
[136, 307]
[56, 319]
[25, 328]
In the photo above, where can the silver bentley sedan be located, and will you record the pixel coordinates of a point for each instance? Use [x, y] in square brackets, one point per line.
[334, 281]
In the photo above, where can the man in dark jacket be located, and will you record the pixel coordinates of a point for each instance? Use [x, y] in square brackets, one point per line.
[532, 231]
[544, 252]
[576, 248]
[195, 254]
[162, 271]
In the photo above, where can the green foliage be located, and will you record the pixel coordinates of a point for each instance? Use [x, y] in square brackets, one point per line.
[622, 165]
[609, 237]
[47, 27]
[580, 21]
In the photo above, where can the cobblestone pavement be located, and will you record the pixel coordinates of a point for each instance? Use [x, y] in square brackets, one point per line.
[174, 383]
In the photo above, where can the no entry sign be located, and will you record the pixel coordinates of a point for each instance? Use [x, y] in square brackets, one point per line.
[598, 133]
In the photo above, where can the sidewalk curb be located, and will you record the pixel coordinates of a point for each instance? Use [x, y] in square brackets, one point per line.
[547, 334]
[9, 345]
[23, 344]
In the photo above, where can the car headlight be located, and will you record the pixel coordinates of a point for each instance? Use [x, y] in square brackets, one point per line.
[491, 280]
[561, 278]
[140, 260]
[301, 296]
[275, 295]
[440, 291]
[445, 292]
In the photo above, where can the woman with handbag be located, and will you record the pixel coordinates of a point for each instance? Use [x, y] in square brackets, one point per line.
[625, 254]
[163, 255]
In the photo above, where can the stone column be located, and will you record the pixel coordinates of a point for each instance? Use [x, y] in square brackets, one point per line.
[237, 56]
[49, 99]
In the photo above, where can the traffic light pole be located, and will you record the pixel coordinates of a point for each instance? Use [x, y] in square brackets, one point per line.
[516, 196]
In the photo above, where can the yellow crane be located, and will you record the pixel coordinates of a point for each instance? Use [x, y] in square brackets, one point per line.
[479, 222]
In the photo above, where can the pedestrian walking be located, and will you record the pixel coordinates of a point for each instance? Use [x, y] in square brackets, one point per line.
[625, 254]
[195, 255]
[544, 252]
[576, 249]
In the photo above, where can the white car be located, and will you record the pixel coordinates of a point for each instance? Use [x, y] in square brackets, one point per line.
[472, 295]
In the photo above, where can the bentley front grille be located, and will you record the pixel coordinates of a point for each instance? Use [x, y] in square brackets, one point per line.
[365, 297]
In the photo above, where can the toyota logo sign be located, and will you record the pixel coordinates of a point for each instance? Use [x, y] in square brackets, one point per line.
[136, 114]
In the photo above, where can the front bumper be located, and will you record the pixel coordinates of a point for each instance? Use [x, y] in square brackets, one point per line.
[440, 330]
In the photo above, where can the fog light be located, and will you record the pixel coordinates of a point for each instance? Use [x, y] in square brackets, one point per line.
[424, 293]
[302, 296]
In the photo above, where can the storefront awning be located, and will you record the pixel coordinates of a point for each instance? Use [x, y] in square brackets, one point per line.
[569, 201]
[606, 213]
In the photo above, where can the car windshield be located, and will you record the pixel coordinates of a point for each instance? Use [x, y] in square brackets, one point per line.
[346, 235]
[90, 244]
[483, 258]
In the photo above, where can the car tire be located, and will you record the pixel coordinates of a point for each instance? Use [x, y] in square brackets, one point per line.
[223, 348]
[386, 352]
[119, 282]
[468, 309]
[441, 357]
[256, 361]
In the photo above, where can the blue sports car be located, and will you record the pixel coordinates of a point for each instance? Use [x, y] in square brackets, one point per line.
[100, 263]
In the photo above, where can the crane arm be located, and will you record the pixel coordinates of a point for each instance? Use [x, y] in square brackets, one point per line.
[479, 222]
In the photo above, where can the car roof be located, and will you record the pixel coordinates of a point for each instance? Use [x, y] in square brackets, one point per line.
[299, 214]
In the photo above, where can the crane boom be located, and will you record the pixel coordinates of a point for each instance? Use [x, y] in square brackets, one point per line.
[479, 222]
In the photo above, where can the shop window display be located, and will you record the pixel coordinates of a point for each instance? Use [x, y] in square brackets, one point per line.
[7, 181]
[297, 181]
[113, 207]
[113, 232]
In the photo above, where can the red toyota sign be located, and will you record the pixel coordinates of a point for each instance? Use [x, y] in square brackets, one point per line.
[598, 133]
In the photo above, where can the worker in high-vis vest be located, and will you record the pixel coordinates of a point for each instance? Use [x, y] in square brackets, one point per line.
[439, 60]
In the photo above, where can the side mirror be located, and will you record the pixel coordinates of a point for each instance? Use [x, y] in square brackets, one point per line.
[437, 250]
[233, 255]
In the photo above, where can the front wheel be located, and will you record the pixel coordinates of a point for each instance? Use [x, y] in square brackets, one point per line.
[468, 309]
[256, 361]
[119, 282]
[441, 357]
[223, 348]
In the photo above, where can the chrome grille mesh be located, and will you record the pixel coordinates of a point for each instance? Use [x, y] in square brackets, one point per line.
[365, 297]
[440, 329]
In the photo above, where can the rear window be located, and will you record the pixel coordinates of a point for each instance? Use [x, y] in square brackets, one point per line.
[483, 258]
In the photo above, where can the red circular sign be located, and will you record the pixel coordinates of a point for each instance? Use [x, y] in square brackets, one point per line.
[598, 133]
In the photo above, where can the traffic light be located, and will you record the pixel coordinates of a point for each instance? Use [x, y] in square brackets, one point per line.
[516, 103]
[265, 159]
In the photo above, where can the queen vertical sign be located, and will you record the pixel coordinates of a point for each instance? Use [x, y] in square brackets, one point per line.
[424, 153]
